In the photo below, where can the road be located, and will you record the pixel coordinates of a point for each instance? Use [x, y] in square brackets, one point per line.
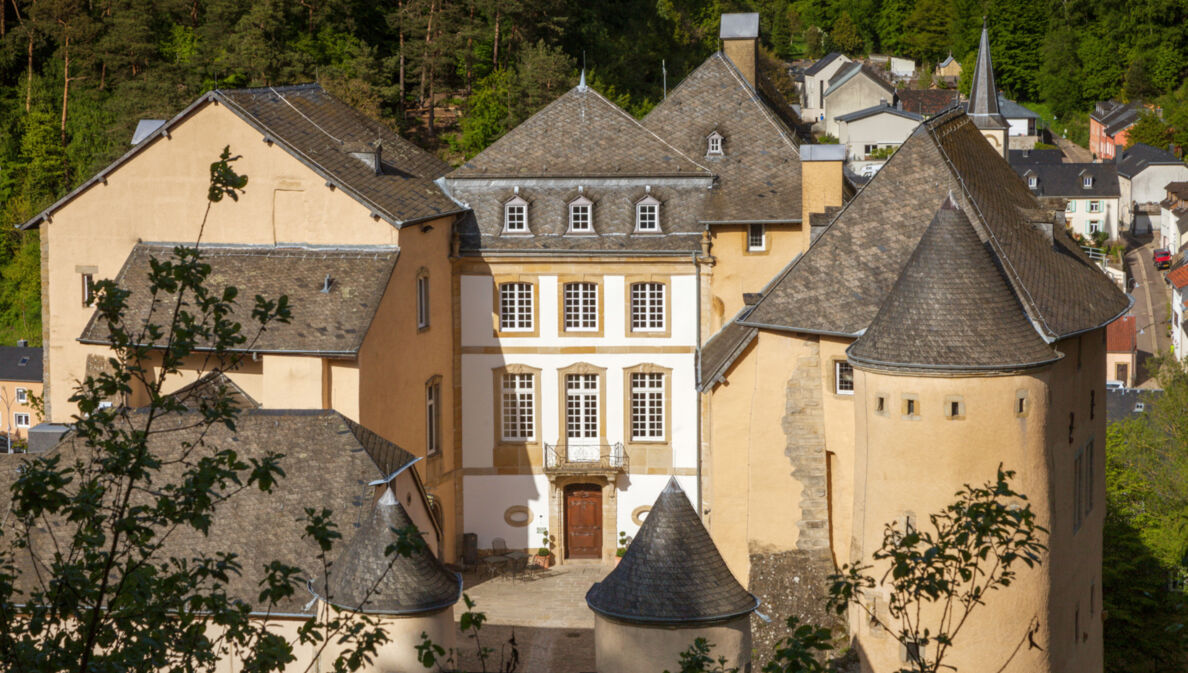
[1151, 297]
[1074, 152]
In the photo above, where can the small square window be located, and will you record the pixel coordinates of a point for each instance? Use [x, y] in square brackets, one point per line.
[647, 215]
[843, 378]
[954, 408]
[21, 420]
[1095, 206]
[580, 221]
[1032, 181]
[911, 407]
[756, 237]
[1087, 182]
[881, 405]
[22, 396]
[515, 216]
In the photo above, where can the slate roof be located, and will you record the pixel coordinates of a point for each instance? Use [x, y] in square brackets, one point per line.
[19, 363]
[406, 584]
[721, 350]
[886, 108]
[1121, 404]
[983, 94]
[939, 317]
[1012, 110]
[847, 72]
[1060, 289]
[672, 573]
[1136, 158]
[331, 323]
[581, 134]
[319, 131]
[208, 388]
[819, 65]
[1115, 116]
[1121, 335]
[1032, 157]
[927, 102]
[325, 467]
[1067, 180]
[947, 61]
[758, 178]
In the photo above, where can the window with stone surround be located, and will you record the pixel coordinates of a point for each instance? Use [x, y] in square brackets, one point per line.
[843, 378]
[515, 307]
[581, 406]
[647, 406]
[581, 307]
[518, 406]
[647, 307]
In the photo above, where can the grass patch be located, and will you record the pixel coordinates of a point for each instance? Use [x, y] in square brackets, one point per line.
[1075, 129]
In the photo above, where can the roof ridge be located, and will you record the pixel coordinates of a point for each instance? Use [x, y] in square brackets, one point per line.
[753, 94]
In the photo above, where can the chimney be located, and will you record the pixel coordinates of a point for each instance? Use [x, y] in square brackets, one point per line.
[369, 153]
[821, 182]
[22, 343]
[740, 43]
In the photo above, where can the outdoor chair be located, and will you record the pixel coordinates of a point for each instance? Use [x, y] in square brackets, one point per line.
[498, 559]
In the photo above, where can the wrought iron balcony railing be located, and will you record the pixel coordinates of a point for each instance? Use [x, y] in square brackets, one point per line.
[575, 458]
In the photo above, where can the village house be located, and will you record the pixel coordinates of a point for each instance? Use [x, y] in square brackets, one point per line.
[1143, 173]
[339, 213]
[816, 81]
[1088, 192]
[947, 71]
[854, 87]
[871, 135]
[1177, 279]
[898, 377]
[1108, 126]
[1173, 217]
[1122, 351]
[1022, 121]
[927, 102]
[20, 385]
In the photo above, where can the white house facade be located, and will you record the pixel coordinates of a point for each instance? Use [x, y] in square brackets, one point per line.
[1143, 175]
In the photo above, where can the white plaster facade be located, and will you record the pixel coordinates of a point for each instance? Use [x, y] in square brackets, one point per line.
[812, 106]
[1177, 306]
[1147, 188]
[859, 92]
[1084, 216]
[885, 129]
[1171, 230]
[492, 487]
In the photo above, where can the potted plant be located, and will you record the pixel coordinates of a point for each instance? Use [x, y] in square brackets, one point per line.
[544, 556]
[623, 542]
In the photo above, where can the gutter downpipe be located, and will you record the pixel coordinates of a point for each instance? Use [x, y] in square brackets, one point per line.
[697, 376]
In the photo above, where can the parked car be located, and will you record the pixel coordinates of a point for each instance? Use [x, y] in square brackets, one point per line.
[1115, 385]
[1162, 258]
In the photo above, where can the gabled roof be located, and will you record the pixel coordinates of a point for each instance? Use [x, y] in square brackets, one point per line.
[1068, 180]
[928, 102]
[758, 177]
[1178, 277]
[1061, 291]
[850, 71]
[1121, 335]
[672, 573]
[1114, 116]
[825, 60]
[20, 363]
[367, 578]
[331, 323]
[1012, 110]
[1032, 157]
[1139, 156]
[325, 467]
[884, 108]
[209, 388]
[936, 319]
[983, 94]
[318, 130]
[947, 61]
[581, 134]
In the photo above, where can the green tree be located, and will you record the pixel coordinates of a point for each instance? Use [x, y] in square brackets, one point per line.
[1060, 73]
[1149, 129]
[928, 29]
[845, 37]
[890, 26]
[488, 113]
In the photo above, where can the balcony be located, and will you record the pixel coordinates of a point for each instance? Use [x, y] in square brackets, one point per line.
[604, 459]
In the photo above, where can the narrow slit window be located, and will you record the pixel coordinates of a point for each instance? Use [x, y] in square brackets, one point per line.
[88, 289]
[433, 417]
[881, 404]
[422, 301]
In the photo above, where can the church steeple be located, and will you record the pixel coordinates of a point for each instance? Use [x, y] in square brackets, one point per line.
[983, 98]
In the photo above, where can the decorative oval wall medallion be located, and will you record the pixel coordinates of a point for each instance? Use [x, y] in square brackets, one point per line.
[639, 514]
[518, 516]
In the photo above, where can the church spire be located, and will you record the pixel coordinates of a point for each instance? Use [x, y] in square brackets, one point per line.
[983, 96]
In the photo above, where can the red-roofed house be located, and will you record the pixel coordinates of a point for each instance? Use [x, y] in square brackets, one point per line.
[1121, 350]
[1178, 279]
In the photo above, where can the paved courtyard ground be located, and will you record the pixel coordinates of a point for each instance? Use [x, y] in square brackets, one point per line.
[545, 611]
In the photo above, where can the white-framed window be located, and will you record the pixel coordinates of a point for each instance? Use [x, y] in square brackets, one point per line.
[515, 307]
[1071, 206]
[581, 307]
[1095, 206]
[1087, 181]
[756, 237]
[843, 378]
[88, 289]
[647, 406]
[21, 420]
[581, 212]
[22, 396]
[647, 215]
[647, 307]
[515, 216]
[433, 416]
[422, 301]
[1032, 181]
[1094, 226]
[519, 407]
[713, 144]
[581, 406]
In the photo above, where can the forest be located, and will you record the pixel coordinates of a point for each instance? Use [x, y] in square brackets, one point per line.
[76, 75]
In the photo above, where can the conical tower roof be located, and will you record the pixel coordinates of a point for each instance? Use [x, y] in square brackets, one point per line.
[414, 584]
[672, 572]
[983, 95]
[951, 309]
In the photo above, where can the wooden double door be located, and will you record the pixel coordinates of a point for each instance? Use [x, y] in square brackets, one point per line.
[583, 521]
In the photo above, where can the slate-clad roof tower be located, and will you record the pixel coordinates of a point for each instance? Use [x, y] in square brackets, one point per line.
[983, 95]
[672, 573]
[935, 319]
[410, 585]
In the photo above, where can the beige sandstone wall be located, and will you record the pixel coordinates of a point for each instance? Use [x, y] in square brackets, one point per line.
[737, 270]
[621, 647]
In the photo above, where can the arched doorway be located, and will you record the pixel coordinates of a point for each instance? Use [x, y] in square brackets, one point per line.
[583, 521]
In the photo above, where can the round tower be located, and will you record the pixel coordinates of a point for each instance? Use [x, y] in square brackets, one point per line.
[670, 588]
[951, 380]
[414, 594]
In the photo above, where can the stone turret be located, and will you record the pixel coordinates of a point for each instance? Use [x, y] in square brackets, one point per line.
[671, 587]
[983, 98]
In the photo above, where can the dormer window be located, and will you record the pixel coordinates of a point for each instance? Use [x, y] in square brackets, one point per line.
[1032, 181]
[581, 220]
[647, 215]
[515, 216]
[713, 144]
[1087, 181]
